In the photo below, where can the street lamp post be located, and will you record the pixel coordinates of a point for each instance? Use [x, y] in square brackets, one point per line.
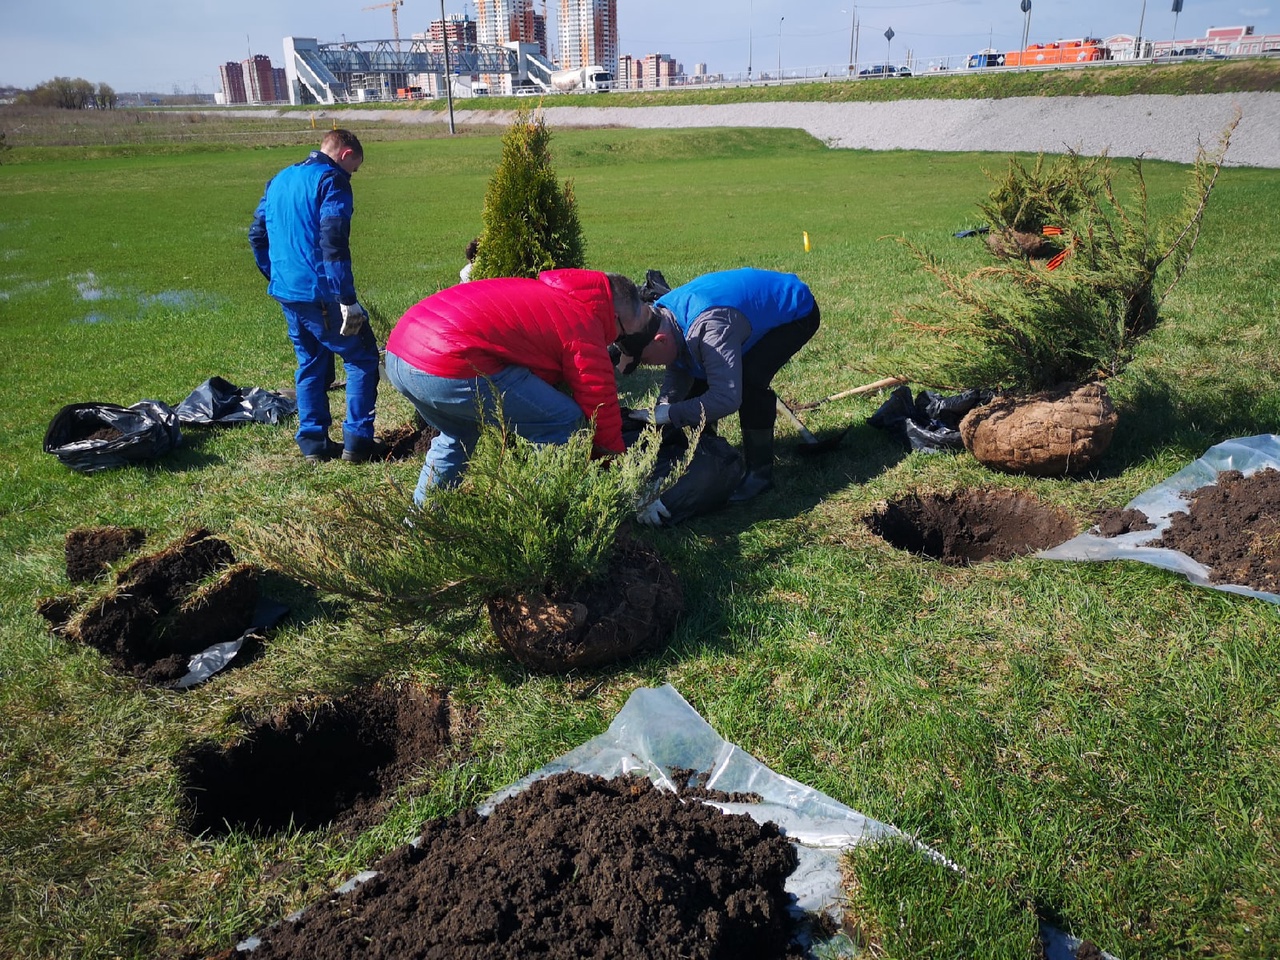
[780, 19]
[448, 74]
[1137, 41]
[853, 33]
[1026, 25]
[750, 37]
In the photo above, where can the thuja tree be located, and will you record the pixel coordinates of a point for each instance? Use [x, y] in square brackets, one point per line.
[1025, 324]
[530, 220]
[526, 517]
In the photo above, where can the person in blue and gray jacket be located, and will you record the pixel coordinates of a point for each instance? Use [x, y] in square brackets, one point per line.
[723, 337]
[300, 239]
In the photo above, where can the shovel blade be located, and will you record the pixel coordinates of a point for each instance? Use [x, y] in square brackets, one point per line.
[815, 446]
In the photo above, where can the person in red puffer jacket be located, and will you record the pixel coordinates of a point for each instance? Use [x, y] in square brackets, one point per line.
[540, 346]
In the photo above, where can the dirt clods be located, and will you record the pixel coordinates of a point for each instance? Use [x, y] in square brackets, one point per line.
[90, 551]
[1115, 523]
[163, 608]
[971, 526]
[574, 866]
[1233, 528]
[407, 441]
[631, 609]
[337, 762]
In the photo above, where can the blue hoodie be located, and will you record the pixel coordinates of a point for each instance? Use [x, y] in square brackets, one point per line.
[301, 233]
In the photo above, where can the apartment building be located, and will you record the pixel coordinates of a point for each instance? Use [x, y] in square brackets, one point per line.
[589, 34]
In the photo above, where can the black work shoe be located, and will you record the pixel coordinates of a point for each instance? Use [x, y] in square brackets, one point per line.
[364, 453]
[753, 484]
[331, 452]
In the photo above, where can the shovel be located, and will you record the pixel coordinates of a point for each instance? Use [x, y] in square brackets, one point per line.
[812, 444]
[853, 392]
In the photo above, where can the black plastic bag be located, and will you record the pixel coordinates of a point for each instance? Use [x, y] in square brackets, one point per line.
[88, 437]
[949, 409]
[895, 412]
[217, 401]
[931, 422]
[933, 437]
[712, 475]
[655, 285]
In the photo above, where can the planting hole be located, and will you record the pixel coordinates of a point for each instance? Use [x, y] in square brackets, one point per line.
[317, 764]
[971, 526]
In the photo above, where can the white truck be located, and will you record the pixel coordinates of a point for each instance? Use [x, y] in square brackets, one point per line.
[589, 79]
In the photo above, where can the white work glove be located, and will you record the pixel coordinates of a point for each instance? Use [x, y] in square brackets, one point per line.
[654, 515]
[353, 318]
[661, 414]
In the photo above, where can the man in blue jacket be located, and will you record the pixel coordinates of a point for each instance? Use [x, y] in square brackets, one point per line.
[300, 239]
[723, 337]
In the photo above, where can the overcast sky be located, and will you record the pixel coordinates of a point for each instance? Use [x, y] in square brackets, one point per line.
[160, 45]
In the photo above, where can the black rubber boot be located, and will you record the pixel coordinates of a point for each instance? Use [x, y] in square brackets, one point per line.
[757, 450]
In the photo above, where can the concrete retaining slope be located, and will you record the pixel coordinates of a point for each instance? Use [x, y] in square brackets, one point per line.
[1156, 127]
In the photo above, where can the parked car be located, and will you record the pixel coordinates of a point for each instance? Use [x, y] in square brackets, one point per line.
[883, 70]
[1191, 53]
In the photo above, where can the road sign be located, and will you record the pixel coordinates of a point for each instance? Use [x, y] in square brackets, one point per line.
[888, 34]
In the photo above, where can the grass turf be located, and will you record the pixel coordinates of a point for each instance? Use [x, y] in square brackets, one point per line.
[1093, 744]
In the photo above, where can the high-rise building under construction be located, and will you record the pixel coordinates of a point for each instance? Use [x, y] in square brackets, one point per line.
[589, 34]
[509, 21]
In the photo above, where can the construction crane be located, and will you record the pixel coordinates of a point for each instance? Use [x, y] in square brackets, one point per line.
[395, 5]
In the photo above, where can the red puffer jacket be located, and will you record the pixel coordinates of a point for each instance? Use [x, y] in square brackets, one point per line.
[559, 327]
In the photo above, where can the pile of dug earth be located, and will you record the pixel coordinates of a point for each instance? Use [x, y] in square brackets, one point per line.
[574, 866]
[1231, 526]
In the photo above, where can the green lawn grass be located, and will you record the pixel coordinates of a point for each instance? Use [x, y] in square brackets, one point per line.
[1095, 745]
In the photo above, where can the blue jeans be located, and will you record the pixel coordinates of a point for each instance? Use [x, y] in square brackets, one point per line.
[532, 408]
[314, 331]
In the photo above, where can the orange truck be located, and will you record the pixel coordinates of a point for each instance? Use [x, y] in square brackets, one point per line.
[1087, 50]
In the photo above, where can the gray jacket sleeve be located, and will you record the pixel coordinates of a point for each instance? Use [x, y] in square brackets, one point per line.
[714, 343]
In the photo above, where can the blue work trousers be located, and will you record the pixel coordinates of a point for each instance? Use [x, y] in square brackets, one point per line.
[531, 407]
[315, 332]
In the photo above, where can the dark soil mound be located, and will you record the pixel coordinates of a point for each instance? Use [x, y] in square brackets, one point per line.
[575, 866]
[407, 441]
[338, 763]
[632, 608]
[971, 527]
[163, 608]
[1119, 521]
[1233, 528]
[90, 551]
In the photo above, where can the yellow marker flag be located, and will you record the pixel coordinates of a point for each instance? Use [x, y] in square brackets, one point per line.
[806, 241]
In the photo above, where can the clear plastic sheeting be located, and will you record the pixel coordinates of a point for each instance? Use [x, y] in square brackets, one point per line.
[1159, 503]
[657, 733]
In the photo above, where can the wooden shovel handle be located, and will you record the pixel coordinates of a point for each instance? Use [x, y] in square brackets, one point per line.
[865, 388]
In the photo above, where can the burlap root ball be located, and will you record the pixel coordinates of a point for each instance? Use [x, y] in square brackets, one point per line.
[1053, 433]
[1008, 244]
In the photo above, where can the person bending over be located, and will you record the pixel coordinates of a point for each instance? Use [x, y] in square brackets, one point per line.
[540, 347]
[722, 338]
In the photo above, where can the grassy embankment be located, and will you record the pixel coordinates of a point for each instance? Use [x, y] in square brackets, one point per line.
[1096, 744]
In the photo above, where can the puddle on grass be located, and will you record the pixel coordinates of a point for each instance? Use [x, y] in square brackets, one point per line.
[89, 289]
[23, 287]
[971, 526]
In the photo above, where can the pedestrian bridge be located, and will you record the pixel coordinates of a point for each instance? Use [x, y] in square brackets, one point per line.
[363, 70]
